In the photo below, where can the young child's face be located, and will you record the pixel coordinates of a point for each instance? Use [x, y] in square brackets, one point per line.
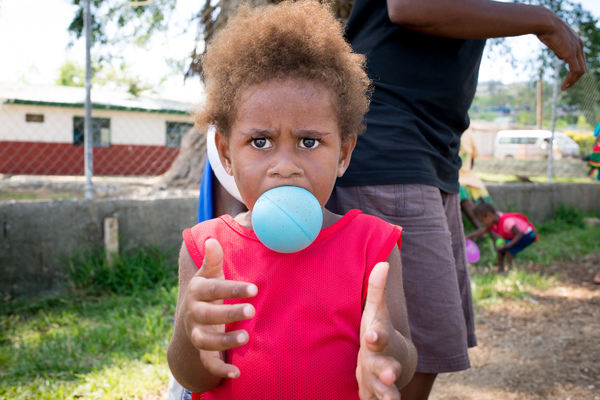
[489, 219]
[285, 134]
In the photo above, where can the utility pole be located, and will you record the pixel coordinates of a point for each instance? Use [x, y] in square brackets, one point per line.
[553, 118]
[539, 101]
[88, 142]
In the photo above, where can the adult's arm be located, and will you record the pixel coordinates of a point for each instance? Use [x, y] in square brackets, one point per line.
[483, 19]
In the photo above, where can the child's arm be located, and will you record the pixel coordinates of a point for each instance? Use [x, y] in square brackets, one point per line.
[195, 352]
[479, 232]
[387, 358]
[518, 236]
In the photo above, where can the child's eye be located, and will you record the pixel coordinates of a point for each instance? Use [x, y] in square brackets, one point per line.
[261, 143]
[308, 143]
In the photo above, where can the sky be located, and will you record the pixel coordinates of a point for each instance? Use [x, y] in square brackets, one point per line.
[34, 37]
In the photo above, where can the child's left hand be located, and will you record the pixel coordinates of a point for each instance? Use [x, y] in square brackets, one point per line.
[377, 371]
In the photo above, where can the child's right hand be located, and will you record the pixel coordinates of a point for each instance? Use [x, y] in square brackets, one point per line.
[205, 314]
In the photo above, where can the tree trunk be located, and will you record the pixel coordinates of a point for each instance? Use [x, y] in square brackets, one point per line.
[186, 170]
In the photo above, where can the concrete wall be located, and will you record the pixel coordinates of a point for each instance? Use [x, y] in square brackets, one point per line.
[35, 235]
[539, 201]
[560, 169]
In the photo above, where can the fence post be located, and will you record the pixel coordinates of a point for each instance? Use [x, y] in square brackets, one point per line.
[111, 239]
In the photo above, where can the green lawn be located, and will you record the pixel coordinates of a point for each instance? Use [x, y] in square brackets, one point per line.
[91, 342]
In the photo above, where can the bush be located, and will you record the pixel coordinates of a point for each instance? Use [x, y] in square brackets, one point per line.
[132, 271]
[584, 140]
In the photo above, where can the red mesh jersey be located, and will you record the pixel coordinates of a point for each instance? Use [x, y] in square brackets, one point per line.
[503, 231]
[304, 338]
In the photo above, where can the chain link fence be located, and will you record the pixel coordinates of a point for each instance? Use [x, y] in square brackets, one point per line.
[136, 139]
[42, 135]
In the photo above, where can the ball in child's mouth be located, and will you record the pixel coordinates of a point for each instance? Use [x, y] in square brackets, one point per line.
[287, 219]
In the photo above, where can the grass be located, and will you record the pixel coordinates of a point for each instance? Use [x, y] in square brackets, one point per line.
[488, 177]
[564, 238]
[33, 196]
[489, 289]
[105, 338]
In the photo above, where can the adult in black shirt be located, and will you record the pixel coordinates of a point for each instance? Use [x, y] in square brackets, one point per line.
[423, 57]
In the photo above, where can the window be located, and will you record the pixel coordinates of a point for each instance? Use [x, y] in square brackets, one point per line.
[100, 131]
[509, 140]
[175, 131]
[34, 117]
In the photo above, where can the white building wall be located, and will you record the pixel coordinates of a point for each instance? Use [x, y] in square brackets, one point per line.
[142, 128]
[56, 128]
[134, 128]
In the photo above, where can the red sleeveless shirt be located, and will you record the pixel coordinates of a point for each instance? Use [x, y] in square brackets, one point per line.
[502, 231]
[304, 337]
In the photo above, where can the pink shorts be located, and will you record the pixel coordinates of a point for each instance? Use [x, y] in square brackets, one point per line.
[436, 278]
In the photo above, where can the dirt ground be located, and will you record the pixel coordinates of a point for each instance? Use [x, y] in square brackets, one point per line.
[547, 348]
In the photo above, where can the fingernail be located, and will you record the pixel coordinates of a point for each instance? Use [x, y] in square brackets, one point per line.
[252, 290]
[248, 311]
[241, 337]
[232, 375]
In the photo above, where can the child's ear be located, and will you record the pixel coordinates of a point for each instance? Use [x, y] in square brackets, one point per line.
[345, 155]
[222, 145]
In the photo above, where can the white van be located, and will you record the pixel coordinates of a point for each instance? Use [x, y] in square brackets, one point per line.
[533, 144]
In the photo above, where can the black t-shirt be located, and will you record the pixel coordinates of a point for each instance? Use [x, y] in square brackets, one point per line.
[424, 86]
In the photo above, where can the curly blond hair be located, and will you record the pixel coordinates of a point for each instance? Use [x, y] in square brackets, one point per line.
[288, 40]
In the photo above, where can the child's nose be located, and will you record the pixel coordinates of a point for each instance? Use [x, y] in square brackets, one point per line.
[286, 164]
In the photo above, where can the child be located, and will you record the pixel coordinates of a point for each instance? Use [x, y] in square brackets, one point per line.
[516, 230]
[287, 97]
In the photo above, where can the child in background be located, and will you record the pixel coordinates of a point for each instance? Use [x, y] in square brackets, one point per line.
[287, 97]
[516, 230]
[593, 167]
[472, 189]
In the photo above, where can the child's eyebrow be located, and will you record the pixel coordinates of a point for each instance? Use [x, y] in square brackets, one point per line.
[311, 133]
[260, 132]
[274, 132]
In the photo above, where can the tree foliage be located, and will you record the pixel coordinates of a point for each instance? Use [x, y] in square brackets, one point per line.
[113, 21]
[586, 93]
[116, 24]
[135, 22]
[71, 74]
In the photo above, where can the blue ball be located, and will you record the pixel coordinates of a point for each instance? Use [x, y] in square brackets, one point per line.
[287, 219]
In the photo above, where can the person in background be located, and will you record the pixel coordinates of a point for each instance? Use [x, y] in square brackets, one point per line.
[472, 189]
[594, 167]
[515, 228]
[423, 58]
[593, 159]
